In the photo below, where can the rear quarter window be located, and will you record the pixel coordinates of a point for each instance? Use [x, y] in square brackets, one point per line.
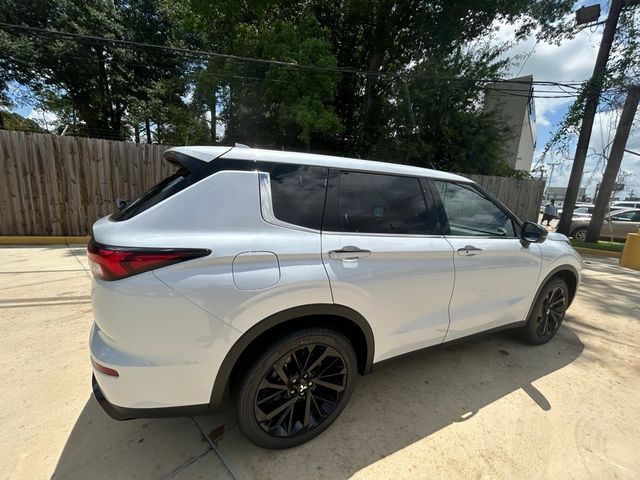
[297, 193]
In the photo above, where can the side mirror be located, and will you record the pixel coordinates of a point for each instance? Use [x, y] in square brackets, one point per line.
[121, 203]
[533, 233]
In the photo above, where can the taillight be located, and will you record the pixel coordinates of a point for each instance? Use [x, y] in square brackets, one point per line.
[114, 263]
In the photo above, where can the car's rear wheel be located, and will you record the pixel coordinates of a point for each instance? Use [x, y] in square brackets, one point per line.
[296, 388]
[547, 314]
[580, 234]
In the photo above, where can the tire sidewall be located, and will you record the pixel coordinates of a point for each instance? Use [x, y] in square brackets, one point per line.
[581, 229]
[245, 395]
[531, 326]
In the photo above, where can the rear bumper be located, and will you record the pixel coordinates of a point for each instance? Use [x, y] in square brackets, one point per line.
[123, 413]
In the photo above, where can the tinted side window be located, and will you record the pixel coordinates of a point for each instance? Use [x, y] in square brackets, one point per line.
[471, 213]
[297, 193]
[624, 217]
[377, 203]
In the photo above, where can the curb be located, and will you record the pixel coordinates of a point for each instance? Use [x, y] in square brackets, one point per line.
[43, 240]
[595, 251]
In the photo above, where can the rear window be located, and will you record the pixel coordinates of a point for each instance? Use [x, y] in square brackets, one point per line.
[297, 193]
[166, 188]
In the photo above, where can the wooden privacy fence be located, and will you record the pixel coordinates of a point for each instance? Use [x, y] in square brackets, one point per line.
[523, 197]
[58, 185]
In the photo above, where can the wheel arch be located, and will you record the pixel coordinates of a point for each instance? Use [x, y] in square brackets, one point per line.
[566, 272]
[339, 317]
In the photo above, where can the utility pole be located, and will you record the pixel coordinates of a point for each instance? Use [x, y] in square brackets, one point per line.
[594, 87]
[553, 167]
[613, 164]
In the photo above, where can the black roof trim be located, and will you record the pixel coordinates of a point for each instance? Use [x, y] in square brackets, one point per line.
[182, 160]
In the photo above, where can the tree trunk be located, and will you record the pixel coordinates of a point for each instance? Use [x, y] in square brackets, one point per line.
[136, 132]
[613, 164]
[594, 88]
[147, 126]
[214, 121]
[108, 116]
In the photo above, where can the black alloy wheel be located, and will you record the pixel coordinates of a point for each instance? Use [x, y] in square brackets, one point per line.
[551, 313]
[295, 388]
[300, 390]
[547, 314]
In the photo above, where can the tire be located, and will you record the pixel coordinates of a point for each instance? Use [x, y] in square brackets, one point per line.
[304, 406]
[547, 314]
[580, 234]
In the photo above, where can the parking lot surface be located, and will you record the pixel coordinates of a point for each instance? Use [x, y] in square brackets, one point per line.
[491, 407]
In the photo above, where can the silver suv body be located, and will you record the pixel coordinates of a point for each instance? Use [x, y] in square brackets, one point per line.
[282, 276]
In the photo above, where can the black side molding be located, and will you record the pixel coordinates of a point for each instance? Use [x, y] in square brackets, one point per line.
[123, 413]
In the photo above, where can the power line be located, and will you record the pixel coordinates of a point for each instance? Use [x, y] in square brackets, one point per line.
[208, 54]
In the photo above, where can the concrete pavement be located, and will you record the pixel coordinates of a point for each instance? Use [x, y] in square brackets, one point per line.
[486, 408]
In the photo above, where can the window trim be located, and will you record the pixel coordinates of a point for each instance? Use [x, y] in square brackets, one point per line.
[517, 223]
[332, 199]
[613, 218]
[266, 205]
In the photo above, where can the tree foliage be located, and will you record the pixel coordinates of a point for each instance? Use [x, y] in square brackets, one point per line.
[412, 91]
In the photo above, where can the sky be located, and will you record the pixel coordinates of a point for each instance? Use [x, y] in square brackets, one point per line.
[572, 60]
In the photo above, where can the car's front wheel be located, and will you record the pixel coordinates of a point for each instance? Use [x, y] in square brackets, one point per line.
[547, 313]
[295, 388]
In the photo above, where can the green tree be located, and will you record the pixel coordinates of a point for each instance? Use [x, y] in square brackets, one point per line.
[437, 120]
[99, 80]
[384, 36]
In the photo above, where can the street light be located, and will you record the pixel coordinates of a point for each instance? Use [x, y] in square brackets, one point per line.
[588, 14]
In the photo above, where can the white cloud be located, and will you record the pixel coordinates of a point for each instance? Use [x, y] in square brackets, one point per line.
[571, 61]
[604, 128]
[45, 119]
[546, 107]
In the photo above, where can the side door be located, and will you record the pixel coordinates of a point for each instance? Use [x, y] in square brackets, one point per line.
[386, 258]
[496, 276]
[622, 224]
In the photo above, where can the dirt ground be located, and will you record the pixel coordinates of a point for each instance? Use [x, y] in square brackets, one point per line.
[487, 408]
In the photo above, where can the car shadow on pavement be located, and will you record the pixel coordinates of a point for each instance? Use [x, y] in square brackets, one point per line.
[402, 402]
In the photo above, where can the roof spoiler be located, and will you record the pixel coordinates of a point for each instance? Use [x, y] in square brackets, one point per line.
[183, 160]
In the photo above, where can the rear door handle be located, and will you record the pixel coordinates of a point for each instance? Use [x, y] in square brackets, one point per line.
[469, 250]
[349, 252]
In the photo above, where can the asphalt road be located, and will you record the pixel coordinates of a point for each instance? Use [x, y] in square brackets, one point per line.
[487, 408]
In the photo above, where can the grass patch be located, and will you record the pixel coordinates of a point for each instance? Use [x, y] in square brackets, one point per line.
[608, 246]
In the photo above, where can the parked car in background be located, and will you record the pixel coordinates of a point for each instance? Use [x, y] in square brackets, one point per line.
[279, 277]
[577, 206]
[617, 225]
[626, 204]
[588, 211]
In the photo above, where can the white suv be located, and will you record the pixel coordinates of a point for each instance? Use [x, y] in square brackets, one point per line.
[281, 276]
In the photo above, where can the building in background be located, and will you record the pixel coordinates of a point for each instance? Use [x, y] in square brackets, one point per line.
[558, 193]
[513, 100]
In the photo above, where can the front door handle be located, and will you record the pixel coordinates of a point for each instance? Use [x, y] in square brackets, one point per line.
[469, 250]
[349, 252]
